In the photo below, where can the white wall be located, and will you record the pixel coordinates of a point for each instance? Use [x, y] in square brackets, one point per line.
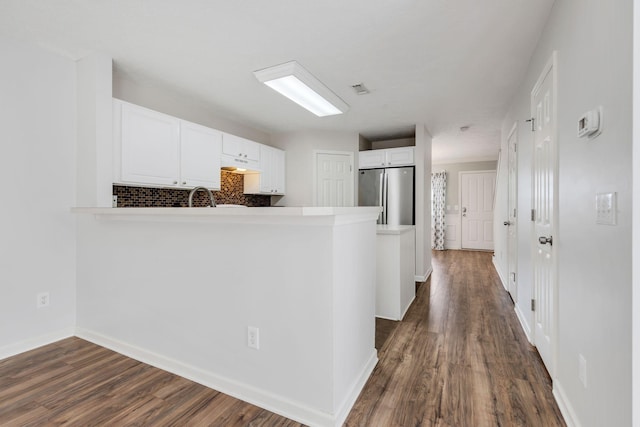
[300, 149]
[594, 45]
[179, 293]
[636, 218]
[423, 202]
[37, 175]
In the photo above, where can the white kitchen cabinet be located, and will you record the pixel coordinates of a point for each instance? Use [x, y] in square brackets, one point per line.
[149, 146]
[200, 149]
[395, 270]
[271, 179]
[401, 156]
[159, 150]
[240, 152]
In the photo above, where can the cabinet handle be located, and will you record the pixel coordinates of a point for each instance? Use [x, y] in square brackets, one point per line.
[382, 164]
[184, 182]
[175, 182]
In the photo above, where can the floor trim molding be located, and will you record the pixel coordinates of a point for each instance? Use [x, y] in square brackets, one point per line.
[245, 392]
[424, 278]
[566, 409]
[523, 323]
[33, 343]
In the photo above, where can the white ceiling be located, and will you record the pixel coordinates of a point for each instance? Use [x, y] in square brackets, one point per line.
[444, 63]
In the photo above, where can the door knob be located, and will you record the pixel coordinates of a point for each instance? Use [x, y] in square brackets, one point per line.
[507, 223]
[546, 240]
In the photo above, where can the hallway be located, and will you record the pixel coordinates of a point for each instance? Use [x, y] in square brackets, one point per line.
[459, 358]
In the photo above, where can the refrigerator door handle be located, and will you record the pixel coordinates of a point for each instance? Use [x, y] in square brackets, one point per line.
[381, 198]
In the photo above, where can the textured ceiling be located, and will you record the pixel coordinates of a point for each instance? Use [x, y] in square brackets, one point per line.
[444, 63]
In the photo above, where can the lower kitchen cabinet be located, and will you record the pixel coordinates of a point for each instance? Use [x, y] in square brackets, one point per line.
[395, 270]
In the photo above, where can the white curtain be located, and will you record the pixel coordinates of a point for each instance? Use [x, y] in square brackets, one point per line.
[438, 201]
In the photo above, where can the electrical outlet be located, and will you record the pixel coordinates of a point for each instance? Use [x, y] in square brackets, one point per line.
[114, 201]
[582, 374]
[42, 299]
[253, 337]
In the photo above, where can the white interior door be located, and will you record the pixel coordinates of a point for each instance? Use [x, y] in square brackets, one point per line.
[476, 204]
[334, 179]
[544, 205]
[512, 217]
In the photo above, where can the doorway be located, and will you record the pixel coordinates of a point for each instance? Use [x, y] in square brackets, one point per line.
[512, 208]
[477, 190]
[334, 178]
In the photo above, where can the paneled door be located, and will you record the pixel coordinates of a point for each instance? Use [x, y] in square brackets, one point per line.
[543, 215]
[334, 179]
[512, 213]
[476, 204]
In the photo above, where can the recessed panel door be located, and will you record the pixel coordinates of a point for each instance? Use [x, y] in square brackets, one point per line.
[334, 179]
[476, 203]
[544, 166]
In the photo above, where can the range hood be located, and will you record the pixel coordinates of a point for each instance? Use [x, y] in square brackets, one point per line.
[238, 165]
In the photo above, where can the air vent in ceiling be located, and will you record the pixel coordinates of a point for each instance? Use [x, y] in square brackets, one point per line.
[360, 89]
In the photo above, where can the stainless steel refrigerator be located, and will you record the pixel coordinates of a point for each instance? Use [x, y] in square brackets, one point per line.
[391, 188]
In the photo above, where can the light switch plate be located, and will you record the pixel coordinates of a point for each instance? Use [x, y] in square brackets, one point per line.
[606, 208]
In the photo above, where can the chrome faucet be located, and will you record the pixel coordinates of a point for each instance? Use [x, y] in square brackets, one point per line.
[211, 198]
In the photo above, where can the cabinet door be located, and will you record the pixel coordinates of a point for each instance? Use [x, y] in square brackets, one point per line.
[200, 150]
[371, 159]
[278, 173]
[402, 156]
[232, 145]
[149, 146]
[266, 169]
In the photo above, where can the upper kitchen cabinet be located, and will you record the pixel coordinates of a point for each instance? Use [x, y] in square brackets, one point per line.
[159, 150]
[271, 178]
[240, 152]
[200, 149]
[401, 156]
[148, 142]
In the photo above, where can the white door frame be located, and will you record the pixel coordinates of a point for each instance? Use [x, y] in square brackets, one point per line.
[315, 173]
[460, 173]
[512, 252]
[551, 66]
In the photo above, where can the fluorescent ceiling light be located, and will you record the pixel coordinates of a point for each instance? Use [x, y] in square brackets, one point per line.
[299, 85]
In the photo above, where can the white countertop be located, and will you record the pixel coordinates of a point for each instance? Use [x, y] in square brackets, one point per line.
[394, 229]
[237, 215]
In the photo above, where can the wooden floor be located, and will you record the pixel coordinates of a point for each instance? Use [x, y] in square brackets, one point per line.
[458, 358]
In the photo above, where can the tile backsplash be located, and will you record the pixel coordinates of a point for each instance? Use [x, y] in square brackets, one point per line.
[231, 192]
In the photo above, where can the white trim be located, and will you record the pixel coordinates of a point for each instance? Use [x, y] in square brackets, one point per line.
[33, 343]
[353, 173]
[424, 278]
[245, 392]
[495, 265]
[523, 323]
[568, 413]
[343, 412]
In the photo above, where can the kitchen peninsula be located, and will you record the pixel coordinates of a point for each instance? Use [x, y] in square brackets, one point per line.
[179, 288]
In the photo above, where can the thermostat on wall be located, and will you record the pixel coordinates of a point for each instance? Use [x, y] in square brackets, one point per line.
[590, 124]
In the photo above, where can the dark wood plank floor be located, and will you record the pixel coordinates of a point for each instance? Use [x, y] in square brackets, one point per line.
[457, 359]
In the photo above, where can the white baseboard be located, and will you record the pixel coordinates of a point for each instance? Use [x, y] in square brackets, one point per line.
[523, 323]
[32, 343]
[262, 398]
[570, 417]
[356, 388]
[424, 278]
[497, 267]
